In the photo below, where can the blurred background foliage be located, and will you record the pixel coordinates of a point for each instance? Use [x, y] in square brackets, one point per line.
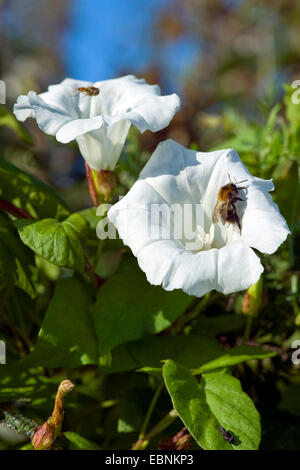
[227, 58]
[232, 62]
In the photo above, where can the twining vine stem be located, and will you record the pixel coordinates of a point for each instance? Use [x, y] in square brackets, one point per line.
[141, 444]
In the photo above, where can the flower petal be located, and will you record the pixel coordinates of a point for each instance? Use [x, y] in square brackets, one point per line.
[224, 262]
[233, 268]
[69, 114]
[134, 100]
[131, 216]
[48, 118]
[167, 261]
[153, 113]
[23, 108]
[264, 228]
[102, 148]
[77, 127]
[120, 95]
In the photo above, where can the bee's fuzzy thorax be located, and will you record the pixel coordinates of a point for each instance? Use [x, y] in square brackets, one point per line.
[226, 191]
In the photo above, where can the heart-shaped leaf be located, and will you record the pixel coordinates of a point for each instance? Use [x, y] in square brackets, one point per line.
[216, 403]
[128, 307]
[57, 242]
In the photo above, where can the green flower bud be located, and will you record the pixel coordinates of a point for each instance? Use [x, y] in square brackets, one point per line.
[253, 299]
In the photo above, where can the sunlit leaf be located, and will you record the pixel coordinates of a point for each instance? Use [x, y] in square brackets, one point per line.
[218, 400]
[57, 242]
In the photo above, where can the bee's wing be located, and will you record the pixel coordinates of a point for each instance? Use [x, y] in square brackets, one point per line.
[216, 212]
[225, 212]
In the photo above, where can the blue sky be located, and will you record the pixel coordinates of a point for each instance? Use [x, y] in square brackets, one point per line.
[105, 37]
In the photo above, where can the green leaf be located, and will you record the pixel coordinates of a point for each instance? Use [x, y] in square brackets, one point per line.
[91, 218]
[57, 242]
[213, 326]
[133, 407]
[217, 401]
[19, 423]
[148, 353]
[235, 356]
[246, 142]
[128, 307]
[66, 338]
[188, 350]
[28, 385]
[8, 119]
[288, 183]
[80, 443]
[271, 121]
[121, 361]
[29, 193]
[16, 261]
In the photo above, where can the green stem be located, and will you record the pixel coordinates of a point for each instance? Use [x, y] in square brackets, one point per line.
[98, 253]
[294, 292]
[190, 316]
[150, 411]
[141, 444]
[247, 329]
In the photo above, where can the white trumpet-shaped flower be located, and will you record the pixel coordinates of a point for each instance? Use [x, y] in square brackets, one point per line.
[166, 220]
[99, 123]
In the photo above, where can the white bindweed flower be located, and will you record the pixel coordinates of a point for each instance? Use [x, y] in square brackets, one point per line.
[99, 123]
[166, 220]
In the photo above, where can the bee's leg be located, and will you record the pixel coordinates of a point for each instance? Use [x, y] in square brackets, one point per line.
[236, 217]
[236, 198]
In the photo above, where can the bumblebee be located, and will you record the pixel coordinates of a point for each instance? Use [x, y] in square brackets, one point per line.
[225, 208]
[89, 91]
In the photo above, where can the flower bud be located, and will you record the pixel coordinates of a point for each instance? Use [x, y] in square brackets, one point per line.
[43, 437]
[181, 441]
[253, 299]
[106, 183]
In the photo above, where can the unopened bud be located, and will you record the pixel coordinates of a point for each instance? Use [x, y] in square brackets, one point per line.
[253, 299]
[181, 441]
[43, 437]
[106, 183]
